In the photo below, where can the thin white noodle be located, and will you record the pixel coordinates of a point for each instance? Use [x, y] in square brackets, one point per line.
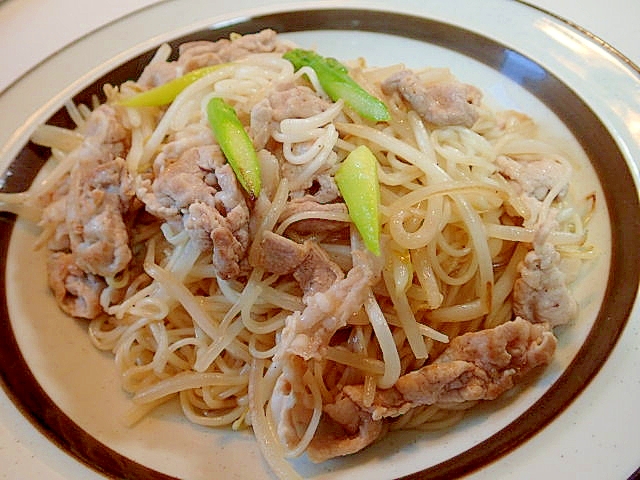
[270, 446]
[269, 221]
[185, 381]
[306, 438]
[52, 179]
[421, 135]
[427, 279]
[395, 286]
[20, 204]
[443, 188]
[526, 235]
[310, 73]
[161, 355]
[385, 340]
[261, 354]
[161, 54]
[356, 360]
[305, 125]
[136, 150]
[458, 313]
[416, 157]
[503, 287]
[294, 136]
[475, 229]
[431, 224]
[209, 420]
[182, 294]
[138, 412]
[74, 112]
[205, 357]
[57, 137]
[432, 333]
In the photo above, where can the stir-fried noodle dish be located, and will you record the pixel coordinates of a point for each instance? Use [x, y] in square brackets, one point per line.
[321, 251]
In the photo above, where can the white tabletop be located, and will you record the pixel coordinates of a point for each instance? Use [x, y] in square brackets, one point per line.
[24, 453]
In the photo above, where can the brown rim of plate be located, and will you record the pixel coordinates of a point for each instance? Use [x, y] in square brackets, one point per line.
[609, 163]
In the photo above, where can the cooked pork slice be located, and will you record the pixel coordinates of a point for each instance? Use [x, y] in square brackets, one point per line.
[86, 215]
[296, 102]
[192, 136]
[475, 366]
[387, 403]
[327, 190]
[105, 127]
[158, 73]
[307, 334]
[302, 184]
[443, 104]
[291, 403]
[308, 262]
[53, 216]
[279, 255]
[230, 200]
[97, 231]
[344, 429]
[314, 227]
[288, 101]
[181, 181]
[541, 294]
[261, 123]
[499, 357]
[202, 53]
[211, 230]
[533, 178]
[317, 272]
[198, 190]
[76, 291]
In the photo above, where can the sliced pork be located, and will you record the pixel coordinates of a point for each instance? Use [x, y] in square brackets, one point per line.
[534, 178]
[196, 189]
[310, 265]
[314, 227]
[306, 336]
[76, 291]
[442, 104]
[475, 366]
[202, 53]
[308, 333]
[296, 101]
[287, 101]
[96, 204]
[541, 293]
[86, 213]
[345, 429]
[497, 357]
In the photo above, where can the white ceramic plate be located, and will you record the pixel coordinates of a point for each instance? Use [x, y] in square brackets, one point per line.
[523, 59]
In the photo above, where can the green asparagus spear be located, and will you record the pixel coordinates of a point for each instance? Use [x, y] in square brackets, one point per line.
[336, 82]
[235, 144]
[166, 93]
[357, 179]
